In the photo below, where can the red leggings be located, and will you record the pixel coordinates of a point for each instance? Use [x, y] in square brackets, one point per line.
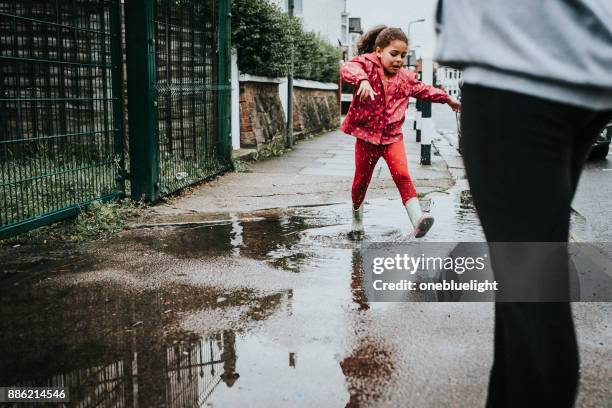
[366, 157]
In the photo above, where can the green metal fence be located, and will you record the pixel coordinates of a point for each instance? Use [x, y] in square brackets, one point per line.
[187, 88]
[183, 120]
[60, 123]
[61, 104]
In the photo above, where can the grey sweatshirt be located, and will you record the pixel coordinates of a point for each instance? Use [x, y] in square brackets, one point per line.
[560, 50]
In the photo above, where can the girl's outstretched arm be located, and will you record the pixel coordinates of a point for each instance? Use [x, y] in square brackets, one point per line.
[426, 92]
[421, 90]
[353, 71]
[454, 104]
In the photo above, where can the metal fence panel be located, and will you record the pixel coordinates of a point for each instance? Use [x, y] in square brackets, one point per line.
[60, 109]
[190, 39]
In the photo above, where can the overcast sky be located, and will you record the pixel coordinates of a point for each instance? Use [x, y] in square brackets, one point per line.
[397, 13]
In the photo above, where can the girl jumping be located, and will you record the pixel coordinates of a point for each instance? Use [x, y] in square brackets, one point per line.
[375, 117]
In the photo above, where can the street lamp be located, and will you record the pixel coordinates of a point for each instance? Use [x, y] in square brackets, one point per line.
[420, 20]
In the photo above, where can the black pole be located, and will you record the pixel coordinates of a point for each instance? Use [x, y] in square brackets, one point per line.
[419, 108]
[426, 145]
[290, 88]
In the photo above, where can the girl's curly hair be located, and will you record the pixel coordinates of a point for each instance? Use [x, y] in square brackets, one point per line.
[379, 36]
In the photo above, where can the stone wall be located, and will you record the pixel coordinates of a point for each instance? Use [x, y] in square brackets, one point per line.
[315, 111]
[262, 119]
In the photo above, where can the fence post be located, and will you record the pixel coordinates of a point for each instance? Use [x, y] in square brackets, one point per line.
[225, 79]
[118, 94]
[142, 118]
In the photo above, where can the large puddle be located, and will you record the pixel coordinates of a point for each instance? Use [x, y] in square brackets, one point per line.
[266, 307]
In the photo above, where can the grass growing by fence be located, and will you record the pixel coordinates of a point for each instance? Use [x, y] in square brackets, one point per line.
[178, 171]
[33, 187]
[273, 149]
[95, 222]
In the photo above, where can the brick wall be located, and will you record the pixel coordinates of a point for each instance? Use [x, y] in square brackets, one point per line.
[261, 114]
[262, 120]
[315, 111]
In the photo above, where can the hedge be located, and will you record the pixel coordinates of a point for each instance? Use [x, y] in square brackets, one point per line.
[264, 36]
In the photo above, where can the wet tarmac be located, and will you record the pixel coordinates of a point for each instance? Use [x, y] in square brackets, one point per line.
[592, 200]
[259, 309]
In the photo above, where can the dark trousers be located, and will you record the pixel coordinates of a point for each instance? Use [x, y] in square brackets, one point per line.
[523, 158]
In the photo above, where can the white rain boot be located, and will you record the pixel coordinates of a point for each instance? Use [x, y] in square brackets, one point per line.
[421, 222]
[357, 228]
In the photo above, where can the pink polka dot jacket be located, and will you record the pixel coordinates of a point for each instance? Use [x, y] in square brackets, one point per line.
[379, 121]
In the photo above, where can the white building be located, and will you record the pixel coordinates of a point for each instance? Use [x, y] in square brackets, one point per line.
[449, 78]
[328, 18]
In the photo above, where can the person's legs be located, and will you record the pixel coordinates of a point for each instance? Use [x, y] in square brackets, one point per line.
[366, 157]
[517, 160]
[536, 356]
[395, 156]
[517, 152]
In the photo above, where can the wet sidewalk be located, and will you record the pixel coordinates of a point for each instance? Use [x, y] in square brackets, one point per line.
[318, 171]
[248, 293]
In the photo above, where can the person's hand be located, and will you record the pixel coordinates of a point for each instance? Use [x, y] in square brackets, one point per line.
[454, 104]
[365, 90]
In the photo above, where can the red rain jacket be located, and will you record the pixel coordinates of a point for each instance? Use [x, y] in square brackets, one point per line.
[379, 121]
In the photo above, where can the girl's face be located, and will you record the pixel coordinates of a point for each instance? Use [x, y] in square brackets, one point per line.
[392, 56]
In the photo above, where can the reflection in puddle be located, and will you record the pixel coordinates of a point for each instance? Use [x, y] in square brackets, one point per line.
[191, 372]
[274, 239]
[359, 294]
[367, 368]
[180, 343]
[115, 348]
